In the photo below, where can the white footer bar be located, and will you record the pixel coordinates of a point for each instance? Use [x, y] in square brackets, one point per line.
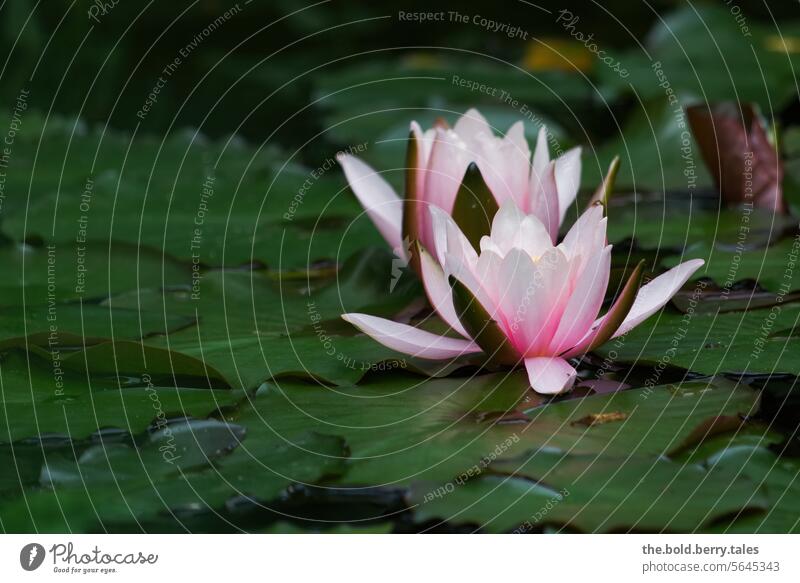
[402, 558]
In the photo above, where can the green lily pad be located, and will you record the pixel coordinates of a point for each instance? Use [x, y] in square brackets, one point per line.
[64, 326]
[757, 341]
[773, 268]
[593, 494]
[246, 359]
[404, 429]
[677, 224]
[710, 51]
[651, 147]
[208, 203]
[201, 480]
[71, 271]
[779, 478]
[253, 302]
[40, 398]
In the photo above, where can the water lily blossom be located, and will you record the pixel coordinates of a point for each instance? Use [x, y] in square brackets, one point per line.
[438, 165]
[519, 299]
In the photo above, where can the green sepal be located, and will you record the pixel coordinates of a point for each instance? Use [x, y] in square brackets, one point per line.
[603, 192]
[475, 206]
[481, 327]
[619, 311]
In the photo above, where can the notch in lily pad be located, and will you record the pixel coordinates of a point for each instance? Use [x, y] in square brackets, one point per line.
[475, 206]
[481, 326]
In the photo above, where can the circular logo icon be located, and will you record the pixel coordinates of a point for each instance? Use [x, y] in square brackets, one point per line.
[31, 556]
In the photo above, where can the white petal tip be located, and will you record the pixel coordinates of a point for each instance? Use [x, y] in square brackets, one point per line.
[550, 375]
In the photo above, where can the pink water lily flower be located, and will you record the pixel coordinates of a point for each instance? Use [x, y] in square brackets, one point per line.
[523, 299]
[436, 164]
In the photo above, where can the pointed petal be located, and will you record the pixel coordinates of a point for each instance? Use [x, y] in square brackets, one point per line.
[487, 269]
[425, 140]
[506, 226]
[546, 206]
[541, 156]
[516, 289]
[514, 157]
[410, 340]
[515, 136]
[604, 327]
[377, 197]
[532, 297]
[440, 295]
[585, 302]
[550, 375]
[653, 296]
[568, 180]
[534, 237]
[472, 126]
[447, 165]
[448, 239]
[587, 235]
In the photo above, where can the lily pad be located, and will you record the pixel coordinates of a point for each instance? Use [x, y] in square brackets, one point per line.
[155, 488]
[405, 429]
[40, 399]
[69, 326]
[756, 341]
[207, 203]
[710, 51]
[779, 478]
[593, 494]
[773, 268]
[71, 271]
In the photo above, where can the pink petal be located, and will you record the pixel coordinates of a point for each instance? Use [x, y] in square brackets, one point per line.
[410, 340]
[506, 226]
[587, 235]
[446, 168]
[605, 326]
[513, 228]
[425, 140]
[472, 126]
[531, 296]
[541, 157]
[377, 197]
[439, 292]
[517, 297]
[546, 205]
[550, 375]
[487, 269]
[448, 238]
[509, 159]
[421, 163]
[653, 296]
[456, 267]
[533, 237]
[515, 137]
[585, 302]
[568, 180]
